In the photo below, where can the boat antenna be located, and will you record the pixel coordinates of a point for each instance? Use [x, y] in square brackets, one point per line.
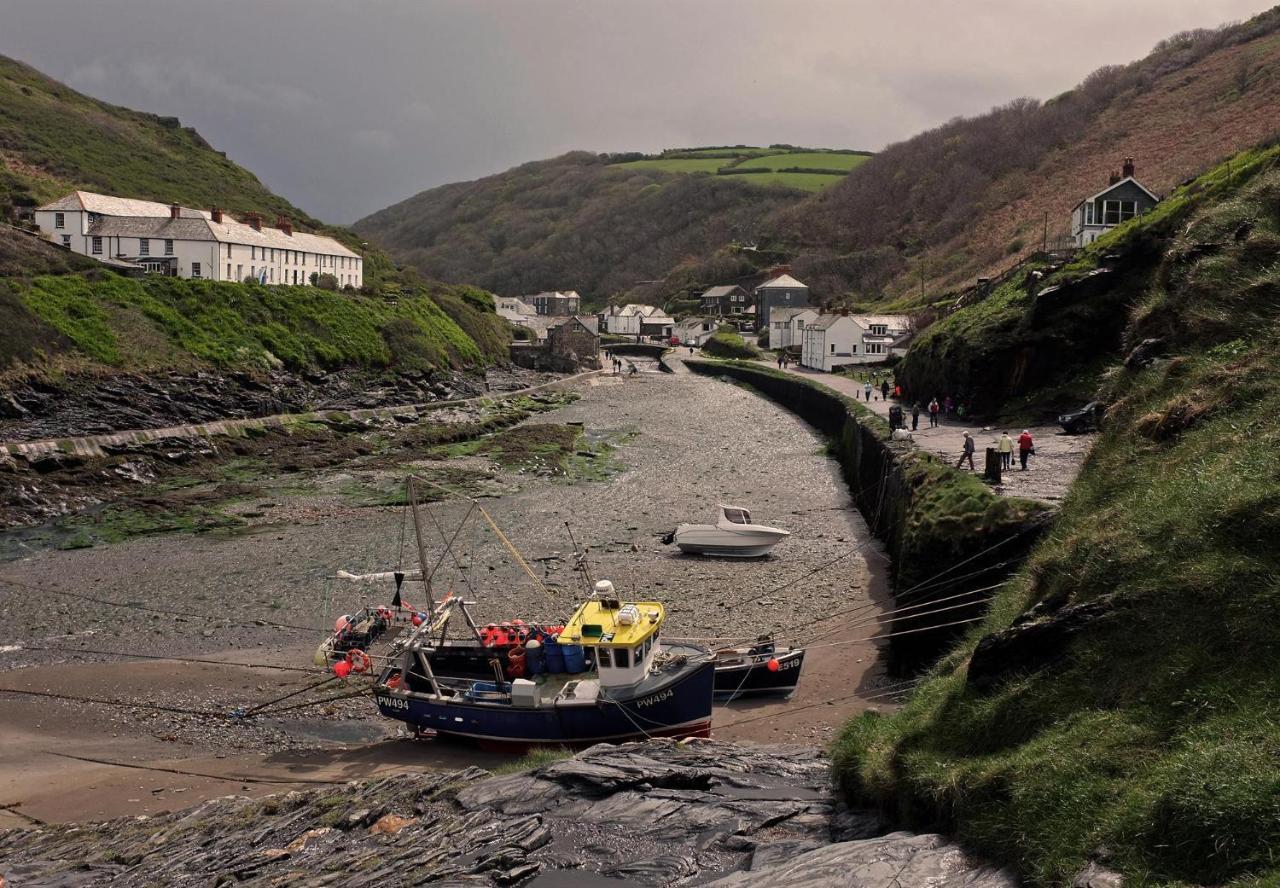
[422, 549]
[580, 557]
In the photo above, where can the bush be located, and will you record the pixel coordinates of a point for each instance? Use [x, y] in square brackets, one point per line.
[728, 343]
[326, 281]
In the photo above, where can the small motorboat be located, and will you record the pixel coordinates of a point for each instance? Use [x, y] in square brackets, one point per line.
[757, 669]
[613, 681]
[732, 536]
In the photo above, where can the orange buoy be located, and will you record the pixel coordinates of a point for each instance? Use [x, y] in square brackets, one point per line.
[342, 669]
[773, 664]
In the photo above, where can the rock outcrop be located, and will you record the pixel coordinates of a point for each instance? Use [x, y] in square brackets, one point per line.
[653, 814]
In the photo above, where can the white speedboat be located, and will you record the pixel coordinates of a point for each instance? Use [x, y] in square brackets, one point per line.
[732, 536]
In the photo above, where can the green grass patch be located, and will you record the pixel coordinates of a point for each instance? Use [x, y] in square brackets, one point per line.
[808, 160]
[1157, 735]
[729, 344]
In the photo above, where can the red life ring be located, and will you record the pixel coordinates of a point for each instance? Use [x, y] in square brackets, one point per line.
[359, 660]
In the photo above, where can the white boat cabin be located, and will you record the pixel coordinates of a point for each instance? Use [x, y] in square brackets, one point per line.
[621, 638]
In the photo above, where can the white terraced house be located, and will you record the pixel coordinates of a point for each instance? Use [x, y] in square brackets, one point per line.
[182, 242]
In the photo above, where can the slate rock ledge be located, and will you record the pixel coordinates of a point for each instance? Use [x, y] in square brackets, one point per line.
[643, 814]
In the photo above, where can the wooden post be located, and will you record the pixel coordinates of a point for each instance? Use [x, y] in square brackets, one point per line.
[992, 472]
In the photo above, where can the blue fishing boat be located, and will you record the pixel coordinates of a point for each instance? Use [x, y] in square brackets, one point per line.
[606, 677]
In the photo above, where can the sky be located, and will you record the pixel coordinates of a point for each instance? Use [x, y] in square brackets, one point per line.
[347, 106]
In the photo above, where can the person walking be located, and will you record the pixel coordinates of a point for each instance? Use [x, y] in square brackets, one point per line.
[933, 413]
[884, 390]
[1026, 447]
[915, 416]
[967, 453]
[866, 390]
[781, 355]
[1006, 451]
[947, 406]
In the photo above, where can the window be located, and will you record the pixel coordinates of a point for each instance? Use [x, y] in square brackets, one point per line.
[59, 220]
[273, 255]
[195, 270]
[833, 348]
[228, 251]
[273, 274]
[97, 246]
[253, 271]
[144, 246]
[737, 516]
[168, 246]
[253, 252]
[239, 272]
[622, 657]
[66, 241]
[875, 348]
[1115, 212]
[603, 658]
[879, 329]
[1088, 213]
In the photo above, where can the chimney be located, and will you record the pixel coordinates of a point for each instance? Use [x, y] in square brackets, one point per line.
[1115, 177]
[174, 211]
[284, 225]
[215, 213]
[254, 221]
[1127, 169]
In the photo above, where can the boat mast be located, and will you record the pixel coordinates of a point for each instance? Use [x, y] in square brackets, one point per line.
[422, 549]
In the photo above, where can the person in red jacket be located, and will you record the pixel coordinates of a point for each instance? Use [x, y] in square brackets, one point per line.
[1026, 447]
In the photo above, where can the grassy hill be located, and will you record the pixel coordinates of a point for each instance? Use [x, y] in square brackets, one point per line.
[54, 140]
[1120, 703]
[574, 222]
[799, 168]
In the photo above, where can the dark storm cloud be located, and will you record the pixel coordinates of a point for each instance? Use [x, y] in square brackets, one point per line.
[345, 107]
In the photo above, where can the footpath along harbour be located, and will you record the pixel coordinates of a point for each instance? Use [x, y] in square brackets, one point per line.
[261, 599]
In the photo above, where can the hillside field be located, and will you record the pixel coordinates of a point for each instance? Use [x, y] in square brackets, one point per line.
[816, 169]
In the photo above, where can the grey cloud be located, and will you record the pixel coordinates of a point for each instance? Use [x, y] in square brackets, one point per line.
[345, 106]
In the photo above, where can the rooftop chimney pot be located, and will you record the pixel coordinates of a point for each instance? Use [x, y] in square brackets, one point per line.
[1115, 177]
[174, 211]
[215, 214]
[1128, 168]
[255, 221]
[284, 225]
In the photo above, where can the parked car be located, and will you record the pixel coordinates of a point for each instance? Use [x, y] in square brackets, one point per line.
[1083, 420]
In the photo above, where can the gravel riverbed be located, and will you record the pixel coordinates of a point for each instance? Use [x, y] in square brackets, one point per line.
[683, 445]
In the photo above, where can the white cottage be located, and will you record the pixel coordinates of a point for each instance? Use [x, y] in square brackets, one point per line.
[694, 331]
[636, 320]
[834, 340]
[182, 242]
[786, 326]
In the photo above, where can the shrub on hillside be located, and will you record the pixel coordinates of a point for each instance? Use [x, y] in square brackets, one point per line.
[326, 281]
[728, 343]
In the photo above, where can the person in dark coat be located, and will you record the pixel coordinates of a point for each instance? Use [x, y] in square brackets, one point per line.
[884, 390]
[967, 453]
[915, 416]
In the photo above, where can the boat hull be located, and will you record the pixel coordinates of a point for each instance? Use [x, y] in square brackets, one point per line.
[676, 706]
[732, 680]
[754, 678]
[708, 539]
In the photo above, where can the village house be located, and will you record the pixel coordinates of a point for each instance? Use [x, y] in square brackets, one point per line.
[694, 331]
[1124, 198]
[834, 340]
[782, 291]
[568, 344]
[636, 320]
[553, 303]
[786, 326]
[725, 300]
[181, 242]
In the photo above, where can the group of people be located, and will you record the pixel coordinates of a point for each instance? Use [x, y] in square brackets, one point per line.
[617, 362]
[784, 360]
[1026, 449]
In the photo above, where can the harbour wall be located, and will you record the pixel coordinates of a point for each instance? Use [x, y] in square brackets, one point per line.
[947, 533]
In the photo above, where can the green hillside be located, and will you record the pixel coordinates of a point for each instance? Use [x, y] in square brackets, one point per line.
[99, 320]
[1122, 700]
[576, 222]
[54, 140]
[799, 168]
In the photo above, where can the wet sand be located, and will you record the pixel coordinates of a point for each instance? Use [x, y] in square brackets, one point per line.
[685, 444]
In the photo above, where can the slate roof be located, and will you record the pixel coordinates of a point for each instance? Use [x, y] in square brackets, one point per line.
[783, 281]
[720, 291]
[787, 313]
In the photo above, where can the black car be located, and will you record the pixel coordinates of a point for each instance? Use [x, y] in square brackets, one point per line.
[1083, 420]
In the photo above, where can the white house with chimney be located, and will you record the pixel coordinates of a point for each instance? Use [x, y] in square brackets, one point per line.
[786, 326]
[1123, 198]
[206, 244]
[834, 340]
